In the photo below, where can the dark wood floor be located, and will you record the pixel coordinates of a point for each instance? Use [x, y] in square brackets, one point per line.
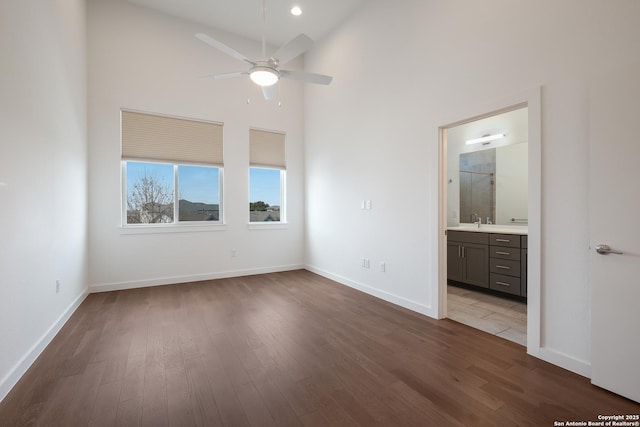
[286, 349]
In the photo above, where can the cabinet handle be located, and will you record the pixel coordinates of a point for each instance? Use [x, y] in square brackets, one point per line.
[503, 283]
[459, 251]
[503, 253]
[503, 240]
[463, 252]
[503, 267]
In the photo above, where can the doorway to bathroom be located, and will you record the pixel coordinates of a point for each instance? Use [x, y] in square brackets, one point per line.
[485, 216]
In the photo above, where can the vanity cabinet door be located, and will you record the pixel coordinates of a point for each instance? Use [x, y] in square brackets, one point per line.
[454, 261]
[476, 264]
[468, 258]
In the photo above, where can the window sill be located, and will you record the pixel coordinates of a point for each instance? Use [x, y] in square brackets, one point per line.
[268, 225]
[171, 228]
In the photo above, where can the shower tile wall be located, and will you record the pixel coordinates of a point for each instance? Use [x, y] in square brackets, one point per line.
[477, 185]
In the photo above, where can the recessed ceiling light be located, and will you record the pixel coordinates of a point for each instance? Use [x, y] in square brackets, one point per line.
[296, 11]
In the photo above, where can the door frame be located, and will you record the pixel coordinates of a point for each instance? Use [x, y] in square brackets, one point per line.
[532, 100]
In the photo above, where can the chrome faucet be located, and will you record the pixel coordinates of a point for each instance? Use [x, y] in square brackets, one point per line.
[478, 220]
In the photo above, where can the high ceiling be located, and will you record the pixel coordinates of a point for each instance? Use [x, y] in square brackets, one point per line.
[244, 17]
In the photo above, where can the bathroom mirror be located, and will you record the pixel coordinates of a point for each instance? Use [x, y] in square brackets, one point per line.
[489, 180]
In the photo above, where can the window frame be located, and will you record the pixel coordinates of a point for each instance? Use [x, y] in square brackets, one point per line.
[176, 225]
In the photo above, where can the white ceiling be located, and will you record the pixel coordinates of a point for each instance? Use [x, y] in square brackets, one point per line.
[244, 17]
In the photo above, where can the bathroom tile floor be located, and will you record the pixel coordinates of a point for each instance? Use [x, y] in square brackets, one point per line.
[503, 317]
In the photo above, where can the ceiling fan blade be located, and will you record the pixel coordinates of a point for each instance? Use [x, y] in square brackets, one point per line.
[305, 77]
[223, 48]
[270, 92]
[225, 75]
[293, 48]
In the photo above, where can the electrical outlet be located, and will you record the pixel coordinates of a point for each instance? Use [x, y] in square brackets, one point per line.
[367, 263]
[57, 286]
[234, 253]
[368, 205]
[383, 267]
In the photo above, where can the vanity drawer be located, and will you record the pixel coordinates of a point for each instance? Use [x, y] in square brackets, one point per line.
[504, 266]
[509, 240]
[502, 283]
[468, 237]
[504, 253]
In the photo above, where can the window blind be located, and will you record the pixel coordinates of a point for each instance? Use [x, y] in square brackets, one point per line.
[266, 149]
[154, 137]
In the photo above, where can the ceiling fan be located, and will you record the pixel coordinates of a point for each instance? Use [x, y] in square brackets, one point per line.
[266, 72]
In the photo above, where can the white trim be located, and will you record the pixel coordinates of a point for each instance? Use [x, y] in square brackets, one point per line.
[14, 375]
[198, 227]
[565, 361]
[160, 281]
[392, 298]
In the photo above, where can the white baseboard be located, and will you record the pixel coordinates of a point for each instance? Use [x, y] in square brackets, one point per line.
[14, 375]
[580, 367]
[158, 281]
[386, 296]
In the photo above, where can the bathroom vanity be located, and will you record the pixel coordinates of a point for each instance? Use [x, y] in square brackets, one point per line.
[490, 257]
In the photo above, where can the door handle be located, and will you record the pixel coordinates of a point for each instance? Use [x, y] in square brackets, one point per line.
[603, 249]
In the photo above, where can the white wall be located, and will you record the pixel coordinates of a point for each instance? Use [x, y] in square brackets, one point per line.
[43, 178]
[145, 60]
[399, 74]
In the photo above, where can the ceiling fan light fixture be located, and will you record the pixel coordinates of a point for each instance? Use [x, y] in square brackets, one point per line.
[264, 76]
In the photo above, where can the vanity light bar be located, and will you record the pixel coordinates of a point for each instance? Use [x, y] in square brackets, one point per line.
[486, 138]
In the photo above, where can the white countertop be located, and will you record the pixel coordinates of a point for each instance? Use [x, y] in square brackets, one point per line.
[492, 228]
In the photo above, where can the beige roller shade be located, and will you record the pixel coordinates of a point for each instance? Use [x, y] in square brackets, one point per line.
[266, 149]
[153, 137]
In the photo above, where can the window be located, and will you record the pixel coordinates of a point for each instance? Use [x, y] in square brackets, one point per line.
[266, 176]
[151, 197]
[199, 193]
[172, 170]
[265, 194]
